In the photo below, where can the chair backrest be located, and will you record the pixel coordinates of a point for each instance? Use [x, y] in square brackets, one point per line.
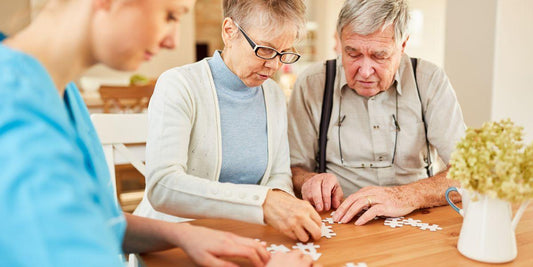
[126, 99]
[116, 130]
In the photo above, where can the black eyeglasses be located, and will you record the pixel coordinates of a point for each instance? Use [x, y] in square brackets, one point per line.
[372, 164]
[266, 52]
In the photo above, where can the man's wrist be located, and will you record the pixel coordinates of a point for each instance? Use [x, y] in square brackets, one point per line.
[300, 176]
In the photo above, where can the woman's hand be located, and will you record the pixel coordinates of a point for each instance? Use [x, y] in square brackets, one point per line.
[294, 258]
[293, 217]
[205, 246]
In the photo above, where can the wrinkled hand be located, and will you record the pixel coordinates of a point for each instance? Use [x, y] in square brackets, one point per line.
[378, 201]
[323, 191]
[295, 258]
[205, 246]
[293, 217]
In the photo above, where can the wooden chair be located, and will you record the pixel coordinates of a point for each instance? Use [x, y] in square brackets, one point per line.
[126, 99]
[115, 131]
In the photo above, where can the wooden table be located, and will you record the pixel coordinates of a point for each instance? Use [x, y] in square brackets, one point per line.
[374, 243]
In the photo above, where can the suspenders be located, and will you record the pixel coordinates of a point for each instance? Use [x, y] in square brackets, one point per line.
[325, 118]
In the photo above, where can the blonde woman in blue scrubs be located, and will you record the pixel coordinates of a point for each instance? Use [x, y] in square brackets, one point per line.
[56, 204]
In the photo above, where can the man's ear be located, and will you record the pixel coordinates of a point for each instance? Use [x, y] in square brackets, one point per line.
[229, 31]
[405, 43]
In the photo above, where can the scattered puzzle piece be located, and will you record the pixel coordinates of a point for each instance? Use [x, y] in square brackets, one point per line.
[393, 223]
[308, 249]
[399, 222]
[411, 222]
[420, 225]
[326, 231]
[332, 213]
[434, 227]
[278, 248]
[329, 220]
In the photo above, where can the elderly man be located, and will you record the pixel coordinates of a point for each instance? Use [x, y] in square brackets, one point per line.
[387, 124]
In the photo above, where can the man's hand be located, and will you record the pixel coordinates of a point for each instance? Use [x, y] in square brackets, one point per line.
[378, 201]
[293, 217]
[323, 191]
[205, 246]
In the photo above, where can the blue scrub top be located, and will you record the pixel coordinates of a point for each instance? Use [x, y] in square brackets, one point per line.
[57, 204]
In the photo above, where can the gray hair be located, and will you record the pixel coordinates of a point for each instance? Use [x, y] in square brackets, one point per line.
[267, 15]
[367, 16]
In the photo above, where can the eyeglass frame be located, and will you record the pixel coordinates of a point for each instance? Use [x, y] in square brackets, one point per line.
[373, 164]
[256, 47]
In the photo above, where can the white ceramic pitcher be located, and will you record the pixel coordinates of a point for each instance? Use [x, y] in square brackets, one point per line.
[488, 227]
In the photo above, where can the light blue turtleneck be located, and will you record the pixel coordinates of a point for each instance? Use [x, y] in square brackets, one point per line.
[243, 126]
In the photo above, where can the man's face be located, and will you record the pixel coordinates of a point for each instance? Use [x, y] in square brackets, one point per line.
[370, 61]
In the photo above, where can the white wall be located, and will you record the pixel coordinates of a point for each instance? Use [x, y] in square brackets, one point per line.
[325, 13]
[513, 72]
[469, 56]
[427, 38]
[489, 57]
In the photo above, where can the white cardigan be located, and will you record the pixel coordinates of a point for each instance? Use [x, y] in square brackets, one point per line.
[184, 151]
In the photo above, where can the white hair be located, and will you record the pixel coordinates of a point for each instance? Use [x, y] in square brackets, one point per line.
[270, 16]
[367, 16]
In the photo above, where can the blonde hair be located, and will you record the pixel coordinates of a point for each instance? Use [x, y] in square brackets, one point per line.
[267, 15]
[367, 16]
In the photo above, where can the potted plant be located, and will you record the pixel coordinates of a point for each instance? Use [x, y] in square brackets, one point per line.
[494, 168]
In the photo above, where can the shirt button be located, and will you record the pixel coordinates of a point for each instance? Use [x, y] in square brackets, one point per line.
[214, 191]
[242, 195]
[255, 197]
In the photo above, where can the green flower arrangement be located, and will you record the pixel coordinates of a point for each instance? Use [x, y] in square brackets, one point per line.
[492, 160]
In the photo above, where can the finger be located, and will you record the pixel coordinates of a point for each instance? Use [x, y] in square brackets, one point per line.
[210, 260]
[315, 217]
[243, 251]
[313, 229]
[356, 207]
[337, 196]
[288, 232]
[301, 234]
[316, 189]
[343, 207]
[327, 187]
[370, 214]
[306, 260]
[260, 249]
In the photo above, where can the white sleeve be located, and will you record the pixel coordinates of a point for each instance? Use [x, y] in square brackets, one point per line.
[170, 189]
[280, 175]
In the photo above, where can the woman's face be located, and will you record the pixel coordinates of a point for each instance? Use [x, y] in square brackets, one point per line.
[126, 33]
[240, 57]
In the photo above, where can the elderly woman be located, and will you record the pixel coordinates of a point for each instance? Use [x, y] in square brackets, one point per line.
[217, 140]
